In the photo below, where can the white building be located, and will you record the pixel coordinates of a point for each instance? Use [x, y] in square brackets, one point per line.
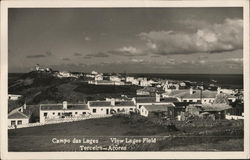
[157, 100]
[53, 111]
[14, 97]
[197, 96]
[65, 74]
[111, 107]
[168, 109]
[130, 79]
[98, 77]
[94, 73]
[18, 117]
[115, 78]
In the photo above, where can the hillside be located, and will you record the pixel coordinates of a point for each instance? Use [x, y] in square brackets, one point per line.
[43, 87]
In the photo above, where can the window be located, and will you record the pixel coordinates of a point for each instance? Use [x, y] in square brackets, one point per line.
[101, 109]
[19, 122]
[58, 113]
[94, 110]
[53, 113]
[184, 100]
[131, 109]
[75, 112]
[190, 100]
[45, 114]
[205, 100]
[83, 112]
[118, 110]
[13, 123]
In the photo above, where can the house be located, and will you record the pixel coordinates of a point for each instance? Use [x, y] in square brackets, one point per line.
[111, 107]
[198, 96]
[219, 110]
[146, 91]
[65, 74]
[98, 77]
[14, 97]
[94, 73]
[227, 91]
[163, 110]
[143, 82]
[115, 78]
[132, 80]
[18, 116]
[62, 110]
[140, 101]
[215, 111]
[106, 82]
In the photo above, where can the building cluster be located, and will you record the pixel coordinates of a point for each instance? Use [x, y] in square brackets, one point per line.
[178, 105]
[173, 100]
[38, 68]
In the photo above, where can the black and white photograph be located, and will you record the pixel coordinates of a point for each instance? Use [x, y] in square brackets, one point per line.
[126, 79]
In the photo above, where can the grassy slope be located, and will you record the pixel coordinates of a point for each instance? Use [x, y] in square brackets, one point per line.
[39, 138]
[45, 88]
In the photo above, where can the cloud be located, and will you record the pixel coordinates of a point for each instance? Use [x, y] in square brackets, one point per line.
[87, 38]
[36, 56]
[96, 55]
[65, 59]
[137, 60]
[215, 38]
[47, 54]
[77, 54]
[127, 51]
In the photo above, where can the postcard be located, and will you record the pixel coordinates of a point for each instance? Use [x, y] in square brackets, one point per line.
[124, 80]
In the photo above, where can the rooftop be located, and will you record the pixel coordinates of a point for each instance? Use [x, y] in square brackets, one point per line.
[99, 103]
[158, 107]
[124, 103]
[169, 99]
[145, 99]
[60, 107]
[215, 107]
[196, 94]
[17, 115]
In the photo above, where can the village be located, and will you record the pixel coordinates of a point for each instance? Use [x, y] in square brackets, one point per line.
[170, 100]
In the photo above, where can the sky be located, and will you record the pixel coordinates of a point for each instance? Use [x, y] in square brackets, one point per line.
[132, 40]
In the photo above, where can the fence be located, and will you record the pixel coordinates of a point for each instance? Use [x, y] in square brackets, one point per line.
[59, 120]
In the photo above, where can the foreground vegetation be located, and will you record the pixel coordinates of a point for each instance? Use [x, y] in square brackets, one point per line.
[221, 135]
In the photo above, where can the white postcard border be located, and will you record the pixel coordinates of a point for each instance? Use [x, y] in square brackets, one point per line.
[117, 155]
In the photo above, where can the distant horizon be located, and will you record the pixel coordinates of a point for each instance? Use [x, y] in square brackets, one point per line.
[147, 73]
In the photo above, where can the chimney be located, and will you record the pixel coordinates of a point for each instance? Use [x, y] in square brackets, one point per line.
[157, 97]
[191, 91]
[65, 104]
[24, 106]
[218, 90]
[112, 101]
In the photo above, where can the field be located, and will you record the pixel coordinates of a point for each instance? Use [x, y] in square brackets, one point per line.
[222, 136]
